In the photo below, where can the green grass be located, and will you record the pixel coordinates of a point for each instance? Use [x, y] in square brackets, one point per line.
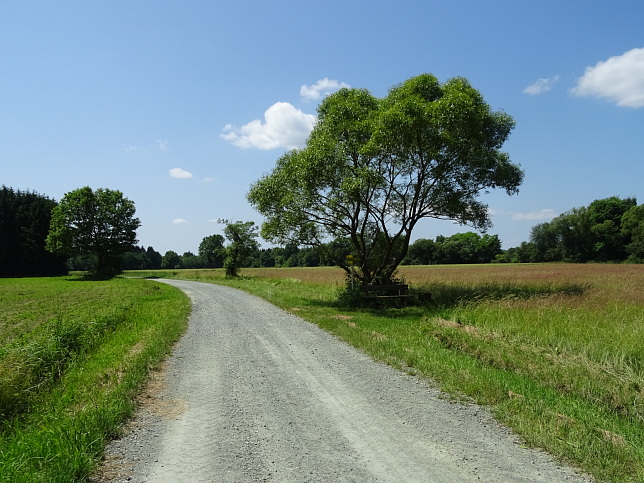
[554, 350]
[73, 356]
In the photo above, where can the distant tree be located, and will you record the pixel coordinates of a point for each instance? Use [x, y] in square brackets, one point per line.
[154, 257]
[333, 253]
[373, 168]
[99, 223]
[605, 218]
[467, 247]
[136, 259]
[171, 260]
[190, 260]
[632, 229]
[547, 243]
[242, 243]
[212, 251]
[525, 253]
[24, 224]
[421, 252]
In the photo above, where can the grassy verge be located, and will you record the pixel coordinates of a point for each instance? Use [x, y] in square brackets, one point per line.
[74, 355]
[555, 350]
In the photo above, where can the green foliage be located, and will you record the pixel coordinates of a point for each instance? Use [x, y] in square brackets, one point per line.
[141, 259]
[467, 247]
[242, 243]
[632, 227]
[24, 224]
[171, 259]
[373, 168]
[100, 223]
[593, 233]
[212, 251]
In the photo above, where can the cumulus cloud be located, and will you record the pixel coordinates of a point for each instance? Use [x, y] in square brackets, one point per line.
[545, 214]
[163, 144]
[619, 79]
[179, 221]
[284, 126]
[180, 173]
[540, 86]
[321, 88]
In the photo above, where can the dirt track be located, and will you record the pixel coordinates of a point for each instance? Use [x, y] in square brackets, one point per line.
[252, 393]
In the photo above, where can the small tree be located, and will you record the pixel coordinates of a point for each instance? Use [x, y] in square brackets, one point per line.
[373, 168]
[98, 224]
[242, 237]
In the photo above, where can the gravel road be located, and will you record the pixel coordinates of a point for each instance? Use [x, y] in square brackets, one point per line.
[252, 393]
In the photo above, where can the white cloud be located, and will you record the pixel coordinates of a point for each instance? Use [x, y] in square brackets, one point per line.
[619, 79]
[208, 180]
[284, 126]
[180, 173]
[545, 214]
[179, 221]
[321, 88]
[540, 86]
[163, 144]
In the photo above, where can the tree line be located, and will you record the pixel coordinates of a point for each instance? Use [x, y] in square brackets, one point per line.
[607, 230]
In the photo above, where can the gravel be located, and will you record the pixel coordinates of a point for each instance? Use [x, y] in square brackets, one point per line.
[252, 393]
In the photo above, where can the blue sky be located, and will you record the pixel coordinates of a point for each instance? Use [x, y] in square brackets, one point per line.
[182, 105]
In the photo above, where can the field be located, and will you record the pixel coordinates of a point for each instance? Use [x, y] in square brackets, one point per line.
[73, 356]
[555, 350]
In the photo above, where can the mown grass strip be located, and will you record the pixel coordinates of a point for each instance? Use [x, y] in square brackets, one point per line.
[62, 436]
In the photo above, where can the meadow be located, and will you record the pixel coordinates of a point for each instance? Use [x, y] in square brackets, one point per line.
[555, 350]
[73, 357]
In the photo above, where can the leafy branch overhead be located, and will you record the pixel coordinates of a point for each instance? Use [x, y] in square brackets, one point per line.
[373, 168]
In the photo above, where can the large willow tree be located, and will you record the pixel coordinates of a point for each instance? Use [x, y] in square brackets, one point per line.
[373, 168]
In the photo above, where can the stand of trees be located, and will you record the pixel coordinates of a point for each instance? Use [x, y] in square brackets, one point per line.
[467, 247]
[24, 224]
[607, 230]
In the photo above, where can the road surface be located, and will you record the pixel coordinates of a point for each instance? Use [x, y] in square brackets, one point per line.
[252, 393]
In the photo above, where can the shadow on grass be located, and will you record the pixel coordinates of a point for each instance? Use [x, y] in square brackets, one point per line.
[447, 296]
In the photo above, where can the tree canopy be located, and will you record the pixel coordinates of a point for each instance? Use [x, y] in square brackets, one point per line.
[373, 168]
[100, 224]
